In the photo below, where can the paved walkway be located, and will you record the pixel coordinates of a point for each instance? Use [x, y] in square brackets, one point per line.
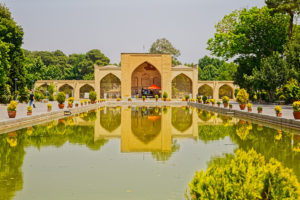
[287, 111]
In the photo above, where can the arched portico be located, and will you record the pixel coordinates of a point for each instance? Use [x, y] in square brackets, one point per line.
[110, 87]
[67, 89]
[143, 77]
[205, 90]
[181, 85]
[226, 90]
[84, 91]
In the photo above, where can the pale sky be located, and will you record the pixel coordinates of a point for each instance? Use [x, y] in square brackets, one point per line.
[116, 26]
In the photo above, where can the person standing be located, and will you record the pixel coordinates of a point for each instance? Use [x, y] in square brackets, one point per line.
[31, 99]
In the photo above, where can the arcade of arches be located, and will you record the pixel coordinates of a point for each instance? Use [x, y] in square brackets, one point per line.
[140, 71]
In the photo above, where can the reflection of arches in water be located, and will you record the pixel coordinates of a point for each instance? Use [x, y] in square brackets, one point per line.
[205, 90]
[85, 89]
[205, 115]
[111, 86]
[110, 118]
[146, 124]
[182, 118]
[67, 89]
[225, 90]
[181, 86]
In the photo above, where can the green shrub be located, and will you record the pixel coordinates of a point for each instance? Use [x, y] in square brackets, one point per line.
[259, 108]
[204, 99]
[61, 97]
[225, 99]
[242, 96]
[38, 95]
[186, 97]
[246, 176]
[51, 98]
[4, 93]
[165, 95]
[92, 95]
[296, 106]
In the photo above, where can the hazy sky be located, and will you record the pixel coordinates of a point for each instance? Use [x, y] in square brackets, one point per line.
[115, 26]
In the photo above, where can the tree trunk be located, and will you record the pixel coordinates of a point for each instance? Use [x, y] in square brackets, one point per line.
[291, 24]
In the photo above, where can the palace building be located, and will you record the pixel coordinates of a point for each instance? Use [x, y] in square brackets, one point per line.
[140, 72]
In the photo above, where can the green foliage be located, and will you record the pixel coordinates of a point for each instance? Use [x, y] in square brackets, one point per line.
[242, 96]
[61, 97]
[164, 46]
[215, 69]
[11, 54]
[242, 35]
[38, 95]
[186, 97]
[225, 99]
[290, 91]
[92, 95]
[204, 99]
[259, 108]
[273, 73]
[4, 93]
[165, 95]
[296, 106]
[247, 176]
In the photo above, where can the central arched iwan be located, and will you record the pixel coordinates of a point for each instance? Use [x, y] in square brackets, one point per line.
[110, 87]
[181, 86]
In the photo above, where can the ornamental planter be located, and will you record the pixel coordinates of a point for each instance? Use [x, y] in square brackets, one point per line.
[230, 107]
[213, 104]
[259, 111]
[218, 105]
[12, 114]
[81, 104]
[279, 114]
[76, 105]
[29, 113]
[70, 106]
[61, 106]
[225, 105]
[249, 109]
[242, 106]
[49, 109]
[165, 99]
[296, 115]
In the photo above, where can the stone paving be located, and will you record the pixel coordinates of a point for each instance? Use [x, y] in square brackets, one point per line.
[287, 110]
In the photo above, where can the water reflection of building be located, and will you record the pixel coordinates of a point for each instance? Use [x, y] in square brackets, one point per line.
[152, 129]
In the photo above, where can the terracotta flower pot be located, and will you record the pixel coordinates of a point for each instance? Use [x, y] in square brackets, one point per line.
[76, 105]
[279, 114]
[61, 106]
[242, 106]
[156, 100]
[213, 104]
[12, 114]
[259, 111]
[165, 99]
[29, 113]
[225, 105]
[296, 115]
[249, 109]
[81, 104]
[49, 109]
[218, 105]
[70, 106]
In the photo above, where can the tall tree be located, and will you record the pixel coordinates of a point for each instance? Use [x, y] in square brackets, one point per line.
[164, 46]
[11, 35]
[248, 36]
[292, 7]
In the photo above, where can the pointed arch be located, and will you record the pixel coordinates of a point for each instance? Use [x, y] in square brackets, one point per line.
[205, 90]
[84, 90]
[226, 90]
[67, 89]
[110, 86]
[144, 76]
[181, 85]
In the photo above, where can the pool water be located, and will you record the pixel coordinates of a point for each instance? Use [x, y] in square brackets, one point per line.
[130, 153]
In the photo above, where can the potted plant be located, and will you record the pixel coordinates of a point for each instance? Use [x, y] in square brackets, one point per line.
[61, 98]
[199, 99]
[93, 96]
[70, 102]
[278, 110]
[89, 102]
[118, 99]
[187, 97]
[213, 102]
[296, 108]
[129, 99]
[183, 99]
[76, 105]
[249, 106]
[242, 98]
[81, 102]
[12, 109]
[144, 98]
[204, 99]
[230, 106]
[49, 106]
[219, 103]
[29, 110]
[259, 109]
[85, 102]
[165, 96]
[225, 100]
[156, 98]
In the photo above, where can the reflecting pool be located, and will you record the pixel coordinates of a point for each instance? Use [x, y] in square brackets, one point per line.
[130, 153]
